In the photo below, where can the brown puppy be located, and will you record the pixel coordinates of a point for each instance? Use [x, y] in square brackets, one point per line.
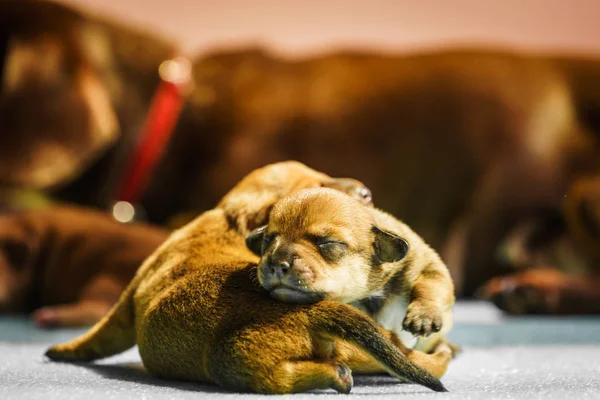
[68, 264]
[481, 140]
[197, 312]
[322, 244]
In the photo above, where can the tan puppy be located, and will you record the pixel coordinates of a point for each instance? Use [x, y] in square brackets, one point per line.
[68, 264]
[322, 244]
[197, 312]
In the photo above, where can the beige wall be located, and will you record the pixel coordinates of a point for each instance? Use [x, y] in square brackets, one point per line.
[302, 26]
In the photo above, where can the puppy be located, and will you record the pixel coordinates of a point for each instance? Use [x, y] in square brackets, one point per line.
[322, 244]
[67, 264]
[197, 312]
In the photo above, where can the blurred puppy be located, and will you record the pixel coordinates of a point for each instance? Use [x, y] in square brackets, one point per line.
[556, 279]
[321, 244]
[68, 265]
[197, 313]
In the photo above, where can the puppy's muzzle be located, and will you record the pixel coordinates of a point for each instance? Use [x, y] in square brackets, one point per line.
[285, 282]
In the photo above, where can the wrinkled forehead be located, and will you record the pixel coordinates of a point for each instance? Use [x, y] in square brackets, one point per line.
[322, 212]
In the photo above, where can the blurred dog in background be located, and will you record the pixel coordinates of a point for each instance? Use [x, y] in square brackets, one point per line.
[68, 265]
[547, 289]
[470, 148]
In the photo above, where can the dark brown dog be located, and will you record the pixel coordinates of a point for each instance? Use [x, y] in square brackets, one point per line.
[68, 265]
[197, 313]
[564, 282]
[462, 145]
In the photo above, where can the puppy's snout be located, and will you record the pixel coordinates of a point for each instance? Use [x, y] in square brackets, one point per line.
[280, 269]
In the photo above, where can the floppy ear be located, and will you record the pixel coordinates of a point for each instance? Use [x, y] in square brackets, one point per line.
[254, 240]
[389, 247]
[17, 252]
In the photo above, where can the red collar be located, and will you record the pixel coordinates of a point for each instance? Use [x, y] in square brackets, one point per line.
[158, 127]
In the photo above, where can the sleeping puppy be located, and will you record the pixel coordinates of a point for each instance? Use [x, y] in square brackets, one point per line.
[68, 265]
[322, 244]
[197, 312]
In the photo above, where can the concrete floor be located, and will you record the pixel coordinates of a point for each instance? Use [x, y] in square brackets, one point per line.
[528, 358]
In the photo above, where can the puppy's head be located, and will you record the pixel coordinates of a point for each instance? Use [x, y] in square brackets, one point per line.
[321, 243]
[249, 203]
[16, 263]
[55, 113]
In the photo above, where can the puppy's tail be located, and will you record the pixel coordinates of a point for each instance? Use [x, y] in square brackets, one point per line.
[337, 320]
[113, 334]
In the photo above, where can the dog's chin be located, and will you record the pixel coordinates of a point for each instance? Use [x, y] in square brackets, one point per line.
[287, 294]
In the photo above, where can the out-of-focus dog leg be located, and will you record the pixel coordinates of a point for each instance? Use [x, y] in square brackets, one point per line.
[544, 291]
[83, 313]
[97, 297]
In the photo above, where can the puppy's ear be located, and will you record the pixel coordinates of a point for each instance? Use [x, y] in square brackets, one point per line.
[17, 253]
[389, 247]
[254, 240]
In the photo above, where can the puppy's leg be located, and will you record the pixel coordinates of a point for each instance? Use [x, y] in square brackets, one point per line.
[300, 376]
[431, 299]
[360, 362]
[113, 334]
[437, 361]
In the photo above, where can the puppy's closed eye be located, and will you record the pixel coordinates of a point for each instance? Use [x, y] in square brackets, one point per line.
[331, 249]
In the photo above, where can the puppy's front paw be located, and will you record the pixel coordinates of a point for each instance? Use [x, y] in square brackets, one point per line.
[422, 318]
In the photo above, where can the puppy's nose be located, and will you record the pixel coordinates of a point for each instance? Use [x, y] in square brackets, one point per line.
[280, 269]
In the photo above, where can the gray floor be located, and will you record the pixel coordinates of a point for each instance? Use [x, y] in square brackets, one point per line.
[504, 358]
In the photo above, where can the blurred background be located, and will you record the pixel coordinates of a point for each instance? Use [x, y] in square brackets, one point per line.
[401, 25]
[491, 154]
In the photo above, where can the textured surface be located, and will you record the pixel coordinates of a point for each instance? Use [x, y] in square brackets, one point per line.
[549, 358]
